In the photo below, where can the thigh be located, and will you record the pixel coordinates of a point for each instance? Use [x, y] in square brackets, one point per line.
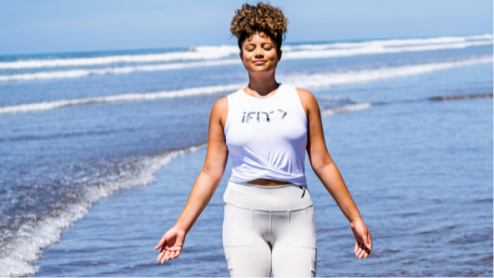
[294, 250]
[294, 261]
[246, 251]
[249, 261]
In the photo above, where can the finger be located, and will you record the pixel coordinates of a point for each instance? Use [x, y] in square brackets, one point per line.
[355, 249]
[161, 255]
[165, 257]
[369, 241]
[171, 254]
[162, 241]
[364, 251]
[168, 255]
[366, 254]
[360, 253]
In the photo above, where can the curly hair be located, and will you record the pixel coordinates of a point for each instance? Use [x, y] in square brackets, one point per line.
[261, 18]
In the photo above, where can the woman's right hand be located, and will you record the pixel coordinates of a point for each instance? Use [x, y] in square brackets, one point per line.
[363, 239]
[171, 244]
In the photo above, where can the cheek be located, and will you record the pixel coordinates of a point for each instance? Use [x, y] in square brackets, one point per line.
[245, 56]
[273, 55]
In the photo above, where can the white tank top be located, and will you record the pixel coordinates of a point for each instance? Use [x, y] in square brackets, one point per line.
[267, 138]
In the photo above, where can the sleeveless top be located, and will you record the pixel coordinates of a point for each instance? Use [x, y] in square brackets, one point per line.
[267, 138]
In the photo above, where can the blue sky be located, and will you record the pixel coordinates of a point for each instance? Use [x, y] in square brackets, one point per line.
[89, 25]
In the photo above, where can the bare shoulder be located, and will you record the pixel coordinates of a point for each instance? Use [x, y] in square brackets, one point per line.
[220, 105]
[220, 110]
[307, 99]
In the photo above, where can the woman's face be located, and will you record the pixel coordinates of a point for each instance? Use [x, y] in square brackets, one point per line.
[259, 54]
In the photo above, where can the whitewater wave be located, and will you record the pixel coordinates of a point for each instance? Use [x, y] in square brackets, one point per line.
[301, 51]
[322, 80]
[197, 53]
[295, 55]
[375, 48]
[119, 98]
[26, 246]
[300, 80]
[346, 109]
[391, 43]
[121, 70]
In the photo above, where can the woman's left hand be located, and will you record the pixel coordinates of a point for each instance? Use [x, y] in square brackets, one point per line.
[171, 244]
[363, 240]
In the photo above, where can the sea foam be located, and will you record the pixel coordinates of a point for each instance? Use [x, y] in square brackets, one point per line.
[346, 109]
[25, 248]
[204, 56]
[115, 70]
[328, 79]
[223, 51]
[119, 98]
[197, 53]
[299, 80]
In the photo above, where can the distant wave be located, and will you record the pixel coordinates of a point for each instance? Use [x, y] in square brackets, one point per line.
[122, 70]
[321, 80]
[30, 238]
[305, 81]
[301, 51]
[372, 48]
[197, 53]
[345, 109]
[119, 98]
[443, 98]
[392, 43]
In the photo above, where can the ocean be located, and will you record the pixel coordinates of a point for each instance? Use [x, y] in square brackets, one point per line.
[99, 151]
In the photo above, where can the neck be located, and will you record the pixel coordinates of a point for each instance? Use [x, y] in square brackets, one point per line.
[262, 85]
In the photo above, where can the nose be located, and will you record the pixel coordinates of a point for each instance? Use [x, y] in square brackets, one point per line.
[259, 52]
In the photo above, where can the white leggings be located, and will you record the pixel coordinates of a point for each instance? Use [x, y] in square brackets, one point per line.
[269, 228]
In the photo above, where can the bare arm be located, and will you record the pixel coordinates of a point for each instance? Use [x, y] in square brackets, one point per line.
[330, 176]
[206, 183]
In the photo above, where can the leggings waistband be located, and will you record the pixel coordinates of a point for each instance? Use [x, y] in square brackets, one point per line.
[286, 197]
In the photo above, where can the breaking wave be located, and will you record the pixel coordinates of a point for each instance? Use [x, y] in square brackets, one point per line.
[346, 109]
[30, 238]
[205, 56]
[118, 98]
[121, 70]
[301, 80]
[198, 53]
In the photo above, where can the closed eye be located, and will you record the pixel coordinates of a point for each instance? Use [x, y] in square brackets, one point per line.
[268, 46]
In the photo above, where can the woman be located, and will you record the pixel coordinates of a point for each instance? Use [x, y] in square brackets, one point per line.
[266, 128]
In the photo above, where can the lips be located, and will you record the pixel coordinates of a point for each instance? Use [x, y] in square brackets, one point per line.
[259, 62]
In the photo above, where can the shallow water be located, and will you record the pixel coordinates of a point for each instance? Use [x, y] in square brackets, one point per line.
[429, 214]
[95, 168]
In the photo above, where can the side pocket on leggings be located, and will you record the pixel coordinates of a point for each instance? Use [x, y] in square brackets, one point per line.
[302, 232]
[230, 267]
[313, 263]
[228, 217]
[311, 218]
[237, 226]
